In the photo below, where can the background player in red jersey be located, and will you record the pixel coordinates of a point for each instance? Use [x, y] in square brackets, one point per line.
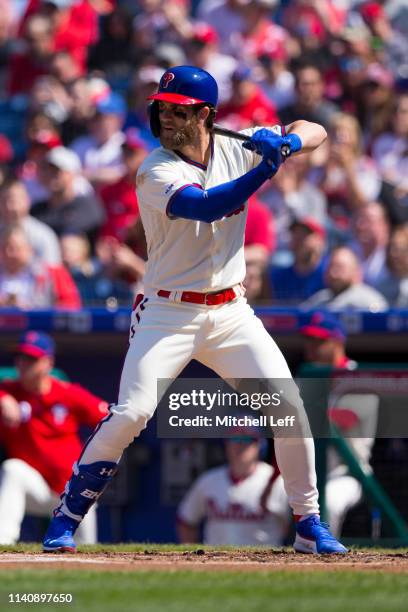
[40, 419]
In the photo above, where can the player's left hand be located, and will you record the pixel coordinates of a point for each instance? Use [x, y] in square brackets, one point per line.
[268, 144]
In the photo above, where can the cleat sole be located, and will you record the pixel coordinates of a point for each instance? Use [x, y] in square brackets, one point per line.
[60, 549]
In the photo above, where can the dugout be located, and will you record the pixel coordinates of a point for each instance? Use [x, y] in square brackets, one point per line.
[141, 505]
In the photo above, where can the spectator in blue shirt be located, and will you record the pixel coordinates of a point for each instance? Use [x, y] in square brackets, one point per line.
[294, 283]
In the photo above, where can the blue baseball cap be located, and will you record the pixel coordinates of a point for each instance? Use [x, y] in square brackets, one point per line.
[112, 104]
[244, 433]
[323, 325]
[242, 73]
[36, 344]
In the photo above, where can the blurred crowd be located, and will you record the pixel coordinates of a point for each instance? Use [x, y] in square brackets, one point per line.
[331, 230]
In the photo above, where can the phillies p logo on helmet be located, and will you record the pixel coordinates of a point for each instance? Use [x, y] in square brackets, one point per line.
[167, 77]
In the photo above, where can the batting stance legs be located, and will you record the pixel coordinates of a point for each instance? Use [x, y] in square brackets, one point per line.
[164, 337]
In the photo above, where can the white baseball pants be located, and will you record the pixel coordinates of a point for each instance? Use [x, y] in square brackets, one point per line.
[24, 491]
[231, 340]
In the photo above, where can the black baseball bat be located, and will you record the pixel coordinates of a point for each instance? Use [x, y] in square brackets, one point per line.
[221, 131]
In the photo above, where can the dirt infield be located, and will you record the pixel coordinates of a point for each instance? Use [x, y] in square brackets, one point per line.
[199, 559]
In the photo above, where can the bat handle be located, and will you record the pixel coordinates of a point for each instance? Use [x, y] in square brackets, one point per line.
[218, 129]
[285, 149]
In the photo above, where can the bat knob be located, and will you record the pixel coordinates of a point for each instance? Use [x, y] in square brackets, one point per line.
[285, 150]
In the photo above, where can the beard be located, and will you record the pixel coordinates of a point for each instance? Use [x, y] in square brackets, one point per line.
[186, 135]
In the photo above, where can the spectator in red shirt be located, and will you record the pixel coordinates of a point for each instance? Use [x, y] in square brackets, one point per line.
[259, 30]
[120, 199]
[259, 245]
[260, 230]
[75, 25]
[34, 61]
[248, 105]
[39, 421]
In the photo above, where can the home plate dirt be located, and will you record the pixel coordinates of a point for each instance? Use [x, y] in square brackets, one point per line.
[199, 559]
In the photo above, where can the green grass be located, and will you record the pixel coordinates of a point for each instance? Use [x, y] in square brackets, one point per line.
[209, 591]
[204, 590]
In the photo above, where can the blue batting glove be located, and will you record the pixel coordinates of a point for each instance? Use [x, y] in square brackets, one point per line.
[268, 144]
[293, 142]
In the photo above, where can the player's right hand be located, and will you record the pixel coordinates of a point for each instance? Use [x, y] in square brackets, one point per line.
[10, 411]
[268, 144]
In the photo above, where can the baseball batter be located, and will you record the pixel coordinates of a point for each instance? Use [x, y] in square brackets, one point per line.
[192, 194]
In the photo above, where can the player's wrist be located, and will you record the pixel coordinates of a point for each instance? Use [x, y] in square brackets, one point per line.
[294, 142]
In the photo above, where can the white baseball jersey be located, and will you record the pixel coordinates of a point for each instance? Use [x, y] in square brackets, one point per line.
[244, 513]
[185, 255]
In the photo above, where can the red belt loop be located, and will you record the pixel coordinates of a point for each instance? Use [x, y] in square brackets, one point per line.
[209, 299]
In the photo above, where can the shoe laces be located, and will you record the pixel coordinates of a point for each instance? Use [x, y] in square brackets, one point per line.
[323, 527]
[325, 531]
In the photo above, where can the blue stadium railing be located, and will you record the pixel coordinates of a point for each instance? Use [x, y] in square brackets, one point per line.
[277, 320]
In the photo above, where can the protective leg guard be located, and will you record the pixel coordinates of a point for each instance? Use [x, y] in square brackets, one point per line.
[86, 485]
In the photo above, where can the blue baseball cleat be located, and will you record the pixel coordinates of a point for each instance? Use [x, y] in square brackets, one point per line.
[313, 536]
[59, 536]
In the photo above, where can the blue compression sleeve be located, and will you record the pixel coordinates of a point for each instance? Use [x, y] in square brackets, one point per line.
[214, 203]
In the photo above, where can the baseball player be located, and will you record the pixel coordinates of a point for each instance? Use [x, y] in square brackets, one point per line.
[355, 415]
[192, 193]
[242, 503]
[39, 421]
